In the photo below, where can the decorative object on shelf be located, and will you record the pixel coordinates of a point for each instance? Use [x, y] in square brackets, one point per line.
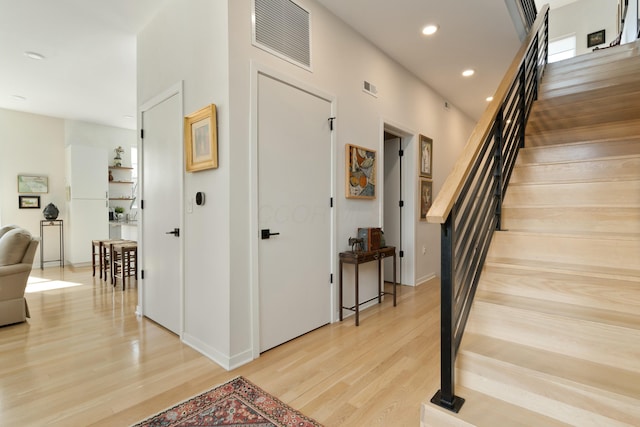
[117, 160]
[361, 173]
[426, 160]
[356, 244]
[426, 197]
[119, 210]
[29, 202]
[33, 184]
[110, 176]
[50, 212]
[201, 139]
[372, 238]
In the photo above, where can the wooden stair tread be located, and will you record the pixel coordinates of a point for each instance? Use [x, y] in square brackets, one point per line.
[595, 221]
[482, 410]
[610, 169]
[630, 126]
[587, 150]
[563, 310]
[607, 293]
[597, 193]
[555, 366]
[564, 268]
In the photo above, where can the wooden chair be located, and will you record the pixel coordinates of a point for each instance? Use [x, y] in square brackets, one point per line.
[124, 262]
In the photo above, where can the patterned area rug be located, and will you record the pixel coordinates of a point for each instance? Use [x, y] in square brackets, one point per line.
[237, 403]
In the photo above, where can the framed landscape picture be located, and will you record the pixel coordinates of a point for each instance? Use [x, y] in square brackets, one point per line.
[33, 184]
[28, 202]
[360, 172]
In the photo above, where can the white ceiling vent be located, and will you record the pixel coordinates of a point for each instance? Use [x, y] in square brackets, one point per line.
[282, 27]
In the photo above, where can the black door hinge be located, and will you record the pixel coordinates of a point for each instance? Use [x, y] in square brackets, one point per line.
[331, 119]
[141, 204]
[401, 153]
[401, 203]
[330, 202]
[401, 254]
[331, 278]
[141, 133]
[142, 274]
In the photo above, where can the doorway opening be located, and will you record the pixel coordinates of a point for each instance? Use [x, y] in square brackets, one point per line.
[398, 206]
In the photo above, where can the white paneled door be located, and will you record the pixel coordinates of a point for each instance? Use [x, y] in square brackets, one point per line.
[161, 195]
[294, 180]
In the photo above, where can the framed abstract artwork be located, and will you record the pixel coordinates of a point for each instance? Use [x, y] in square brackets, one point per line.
[360, 172]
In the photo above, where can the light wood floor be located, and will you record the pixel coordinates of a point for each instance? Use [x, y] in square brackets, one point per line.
[84, 358]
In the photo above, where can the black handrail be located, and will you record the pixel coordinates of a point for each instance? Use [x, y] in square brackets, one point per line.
[530, 11]
[475, 214]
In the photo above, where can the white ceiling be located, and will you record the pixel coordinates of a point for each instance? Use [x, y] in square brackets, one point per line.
[89, 70]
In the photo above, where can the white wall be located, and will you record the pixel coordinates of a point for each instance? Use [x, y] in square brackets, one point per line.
[31, 144]
[584, 17]
[35, 144]
[191, 44]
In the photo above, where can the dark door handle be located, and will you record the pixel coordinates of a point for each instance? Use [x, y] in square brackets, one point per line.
[175, 232]
[266, 233]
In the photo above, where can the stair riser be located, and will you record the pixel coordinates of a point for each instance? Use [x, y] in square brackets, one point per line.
[598, 342]
[623, 194]
[572, 220]
[620, 52]
[628, 81]
[605, 294]
[573, 405]
[607, 253]
[547, 121]
[602, 72]
[587, 105]
[595, 98]
[594, 170]
[587, 133]
[577, 152]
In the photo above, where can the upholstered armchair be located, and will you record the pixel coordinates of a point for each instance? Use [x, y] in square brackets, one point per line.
[17, 250]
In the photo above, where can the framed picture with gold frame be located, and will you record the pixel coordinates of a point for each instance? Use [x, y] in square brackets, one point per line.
[201, 139]
[360, 172]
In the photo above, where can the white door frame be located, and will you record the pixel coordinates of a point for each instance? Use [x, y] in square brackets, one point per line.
[174, 90]
[258, 69]
[409, 211]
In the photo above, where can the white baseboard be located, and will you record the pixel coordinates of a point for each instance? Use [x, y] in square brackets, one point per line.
[227, 362]
[424, 279]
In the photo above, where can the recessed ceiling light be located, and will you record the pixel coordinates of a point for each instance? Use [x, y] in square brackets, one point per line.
[18, 98]
[34, 55]
[489, 98]
[468, 73]
[429, 29]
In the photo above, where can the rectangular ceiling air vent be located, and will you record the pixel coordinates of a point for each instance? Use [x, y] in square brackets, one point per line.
[282, 27]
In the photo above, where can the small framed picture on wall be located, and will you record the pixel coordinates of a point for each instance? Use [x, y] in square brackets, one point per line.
[426, 197]
[426, 156]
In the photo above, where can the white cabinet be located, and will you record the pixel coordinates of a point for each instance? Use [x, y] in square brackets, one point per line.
[87, 204]
[85, 166]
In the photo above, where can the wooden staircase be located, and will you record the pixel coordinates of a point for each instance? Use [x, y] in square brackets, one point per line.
[553, 338]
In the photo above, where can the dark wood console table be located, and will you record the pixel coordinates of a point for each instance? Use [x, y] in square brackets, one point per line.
[357, 258]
